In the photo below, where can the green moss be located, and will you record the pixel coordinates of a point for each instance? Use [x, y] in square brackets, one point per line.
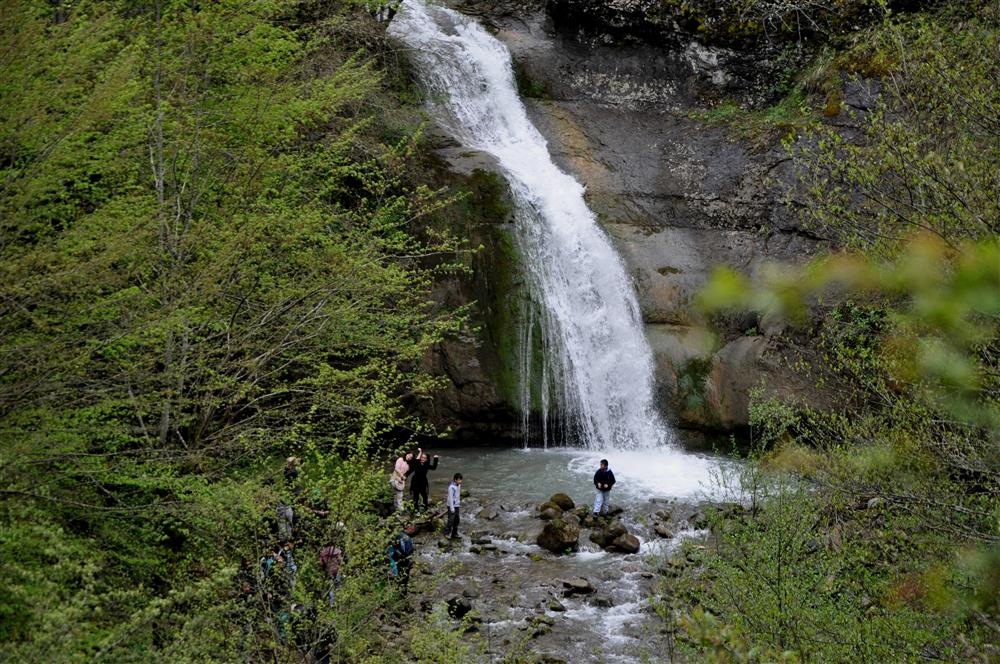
[792, 113]
[507, 316]
[483, 215]
[528, 86]
[486, 201]
[691, 385]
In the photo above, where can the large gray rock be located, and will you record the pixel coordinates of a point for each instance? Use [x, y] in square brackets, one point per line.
[605, 533]
[548, 512]
[625, 543]
[578, 586]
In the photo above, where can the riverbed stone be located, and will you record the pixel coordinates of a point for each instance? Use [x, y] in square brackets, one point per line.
[605, 533]
[560, 535]
[542, 619]
[549, 512]
[564, 502]
[664, 514]
[662, 531]
[626, 543]
[578, 586]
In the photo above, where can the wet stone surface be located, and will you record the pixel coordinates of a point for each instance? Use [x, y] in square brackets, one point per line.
[587, 606]
[516, 591]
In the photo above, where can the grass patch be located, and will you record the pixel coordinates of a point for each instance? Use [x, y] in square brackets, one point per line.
[794, 112]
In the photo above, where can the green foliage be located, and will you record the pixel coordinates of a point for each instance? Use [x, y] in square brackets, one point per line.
[436, 640]
[883, 546]
[691, 384]
[928, 155]
[720, 643]
[806, 577]
[212, 254]
[788, 116]
[747, 23]
[527, 86]
[940, 320]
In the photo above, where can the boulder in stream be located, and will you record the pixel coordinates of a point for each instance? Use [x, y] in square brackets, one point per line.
[561, 534]
[605, 533]
[626, 543]
[549, 511]
[578, 586]
[564, 502]
[662, 531]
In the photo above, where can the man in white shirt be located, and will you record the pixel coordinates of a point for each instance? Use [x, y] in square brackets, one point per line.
[454, 500]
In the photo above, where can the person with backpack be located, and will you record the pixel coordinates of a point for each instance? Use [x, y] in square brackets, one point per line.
[287, 517]
[276, 578]
[286, 522]
[330, 559]
[400, 554]
[454, 501]
[418, 483]
[604, 479]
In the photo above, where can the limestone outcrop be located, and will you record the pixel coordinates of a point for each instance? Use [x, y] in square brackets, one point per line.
[616, 96]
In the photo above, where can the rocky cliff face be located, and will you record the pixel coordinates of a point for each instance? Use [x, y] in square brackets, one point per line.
[615, 98]
[478, 400]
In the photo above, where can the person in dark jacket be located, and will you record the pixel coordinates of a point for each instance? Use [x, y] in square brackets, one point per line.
[400, 554]
[604, 479]
[418, 481]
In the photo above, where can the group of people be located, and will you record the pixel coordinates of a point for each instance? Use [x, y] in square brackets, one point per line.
[416, 466]
[297, 521]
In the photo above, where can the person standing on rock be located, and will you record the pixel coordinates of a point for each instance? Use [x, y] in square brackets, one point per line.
[454, 500]
[418, 483]
[398, 478]
[604, 479]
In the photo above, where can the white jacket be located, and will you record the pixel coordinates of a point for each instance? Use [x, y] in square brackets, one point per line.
[454, 495]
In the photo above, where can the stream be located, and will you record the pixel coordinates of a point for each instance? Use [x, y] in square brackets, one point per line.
[516, 588]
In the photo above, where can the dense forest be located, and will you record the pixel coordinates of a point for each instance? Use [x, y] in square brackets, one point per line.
[215, 254]
[219, 235]
[879, 540]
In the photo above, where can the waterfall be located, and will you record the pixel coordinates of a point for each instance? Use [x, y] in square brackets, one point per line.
[597, 369]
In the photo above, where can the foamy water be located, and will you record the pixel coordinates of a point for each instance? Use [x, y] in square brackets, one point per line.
[528, 476]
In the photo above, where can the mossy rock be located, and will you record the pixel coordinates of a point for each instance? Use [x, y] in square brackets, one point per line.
[564, 502]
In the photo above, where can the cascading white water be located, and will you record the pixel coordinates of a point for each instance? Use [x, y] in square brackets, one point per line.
[596, 359]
